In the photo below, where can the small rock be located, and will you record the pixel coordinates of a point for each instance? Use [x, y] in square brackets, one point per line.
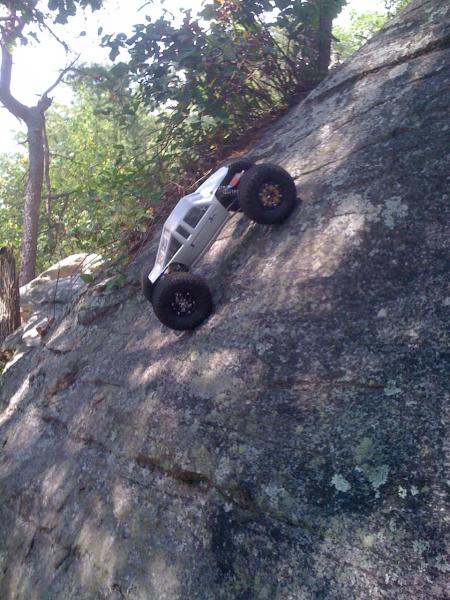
[33, 336]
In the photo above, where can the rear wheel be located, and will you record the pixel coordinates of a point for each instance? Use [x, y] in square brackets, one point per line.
[182, 301]
[267, 194]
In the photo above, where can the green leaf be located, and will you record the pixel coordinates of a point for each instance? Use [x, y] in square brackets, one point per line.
[119, 281]
[87, 278]
[119, 70]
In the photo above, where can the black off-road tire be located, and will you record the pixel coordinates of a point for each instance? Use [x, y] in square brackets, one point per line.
[228, 198]
[169, 294]
[280, 202]
[146, 285]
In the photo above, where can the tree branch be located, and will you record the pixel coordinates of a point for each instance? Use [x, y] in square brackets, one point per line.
[53, 34]
[44, 98]
[15, 107]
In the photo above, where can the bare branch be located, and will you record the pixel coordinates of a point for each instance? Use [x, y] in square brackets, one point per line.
[15, 107]
[59, 79]
[53, 34]
[62, 195]
[144, 5]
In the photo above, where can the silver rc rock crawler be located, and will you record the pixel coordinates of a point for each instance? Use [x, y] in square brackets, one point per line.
[264, 193]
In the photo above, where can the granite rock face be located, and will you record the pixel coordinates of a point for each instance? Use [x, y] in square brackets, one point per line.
[45, 298]
[57, 285]
[294, 447]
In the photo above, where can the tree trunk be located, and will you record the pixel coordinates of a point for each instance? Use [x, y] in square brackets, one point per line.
[324, 39]
[34, 118]
[9, 294]
[35, 125]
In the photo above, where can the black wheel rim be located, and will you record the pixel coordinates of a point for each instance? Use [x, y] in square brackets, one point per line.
[183, 304]
[270, 195]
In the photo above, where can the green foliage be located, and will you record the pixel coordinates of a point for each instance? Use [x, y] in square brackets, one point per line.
[28, 12]
[347, 40]
[362, 27]
[117, 281]
[67, 8]
[242, 58]
[102, 190]
[223, 73]
[87, 278]
[13, 177]
[20, 20]
[394, 6]
[100, 187]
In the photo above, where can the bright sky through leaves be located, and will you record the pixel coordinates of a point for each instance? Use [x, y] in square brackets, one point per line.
[37, 67]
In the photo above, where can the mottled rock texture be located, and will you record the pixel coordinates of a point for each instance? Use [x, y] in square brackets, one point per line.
[55, 287]
[295, 447]
[45, 298]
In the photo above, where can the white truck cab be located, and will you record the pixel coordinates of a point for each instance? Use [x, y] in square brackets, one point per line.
[192, 226]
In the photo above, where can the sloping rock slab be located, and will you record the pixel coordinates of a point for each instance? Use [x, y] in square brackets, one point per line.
[57, 285]
[296, 445]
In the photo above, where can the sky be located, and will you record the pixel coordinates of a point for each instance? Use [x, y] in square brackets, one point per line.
[37, 66]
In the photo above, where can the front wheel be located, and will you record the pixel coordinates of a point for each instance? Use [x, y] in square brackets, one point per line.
[182, 301]
[267, 194]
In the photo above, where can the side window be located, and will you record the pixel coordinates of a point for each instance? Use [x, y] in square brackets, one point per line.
[183, 232]
[194, 216]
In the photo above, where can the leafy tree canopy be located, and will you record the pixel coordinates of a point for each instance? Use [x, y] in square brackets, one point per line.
[100, 190]
[218, 74]
[18, 21]
[21, 13]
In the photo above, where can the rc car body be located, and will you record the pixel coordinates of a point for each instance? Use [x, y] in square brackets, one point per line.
[191, 227]
[265, 193]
